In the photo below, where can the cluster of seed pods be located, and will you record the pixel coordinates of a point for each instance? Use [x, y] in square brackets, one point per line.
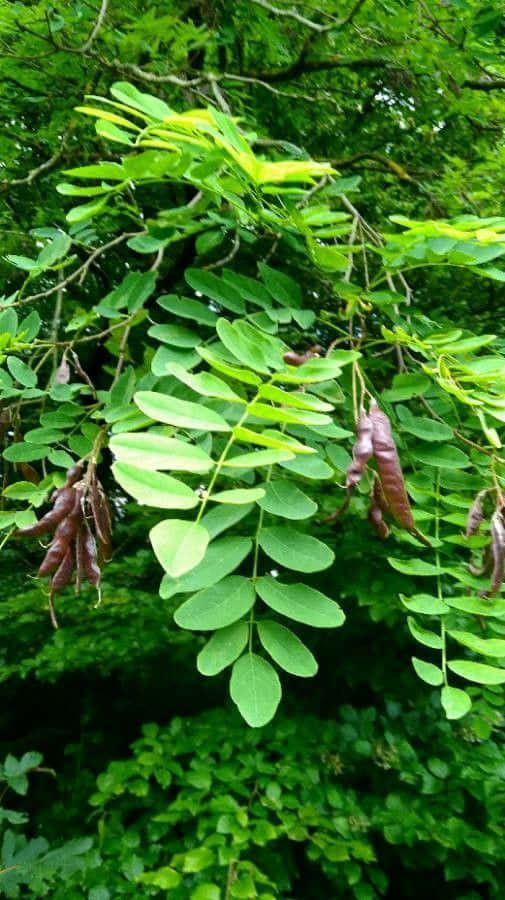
[493, 562]
[374, 438]
[78, 505]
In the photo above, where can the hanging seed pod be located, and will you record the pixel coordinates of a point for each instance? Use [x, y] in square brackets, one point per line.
[377, 522]
[361, 452]
[67, 528]
[475, 515]
[390, 472]
[90, 558]
[79, 558]
[101, 516]
[63, 505]
[73, 475]
[63, 573]
[379, 498]
[498, 550]
[53, 557]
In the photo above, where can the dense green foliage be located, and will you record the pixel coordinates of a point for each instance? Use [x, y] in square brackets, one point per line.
[228, 231]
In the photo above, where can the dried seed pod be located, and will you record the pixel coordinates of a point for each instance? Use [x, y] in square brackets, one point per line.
[63, 573]
[53, 557]
[90, 558]
[498, 550]
[475, 515]
[73, 475]
[390, 472]
[379, 498]
[101, 515]
[295, 359]
[361, 452]
[79, 558]
[67, 528]
[63, 506]
[377, 522]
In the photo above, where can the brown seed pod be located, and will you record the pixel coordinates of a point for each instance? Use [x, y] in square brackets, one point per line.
[53, 557]
[498, 550]
[475, 515]
[390, 472]
[295, 359]
[361, 452]
[79, 558]
[68, 526]
[377, 522]
[63, 573]
[101, 516]
[63, 505]
[73, 475]
[63, 372]
[90, 558]
[379, 498]
[29, 473]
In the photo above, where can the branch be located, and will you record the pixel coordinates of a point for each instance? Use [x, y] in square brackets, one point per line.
[48, 164]
[80, 272]
[495, 84]
[91, 37]
[302, 66]
[315, 26]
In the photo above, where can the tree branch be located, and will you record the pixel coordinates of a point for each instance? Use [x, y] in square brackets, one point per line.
[492, 84]
[303, 66]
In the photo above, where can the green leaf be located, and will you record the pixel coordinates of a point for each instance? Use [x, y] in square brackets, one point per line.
[428, 672]
[24, 452]
[287, 416]
[248, 288]
[313, 371]
[217, 606]
[285, 499]
[222, 365]
[478, 672]
[258, 458]
[295, 550]
[188, 308]
[216, 289]
[154, 488]
[485, 646]
[282, 287]
[425, 604]
[427, 429]
[106, 171]
[131, 96]
[416, 567]
[21, 372]
[22, 262]
[223, 648]
[312, 467]
[220, 518]
[424, 636]
[166, 355]
[153, 451]
[85, 211]
[174, 334]
[43, 436]
[300, 603]
[477, 606]
[405, 387]
[250, 346]
[296, 399]
[443, 457]
[180, 413]
[179, 546]
[222, 557]
[238, 495]
[9, 321]
[455, 702]
[132, 293]
[204, 383]
[286, 649]
[256, 689]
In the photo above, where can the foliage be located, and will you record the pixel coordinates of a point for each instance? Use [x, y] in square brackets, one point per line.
[253, 264]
